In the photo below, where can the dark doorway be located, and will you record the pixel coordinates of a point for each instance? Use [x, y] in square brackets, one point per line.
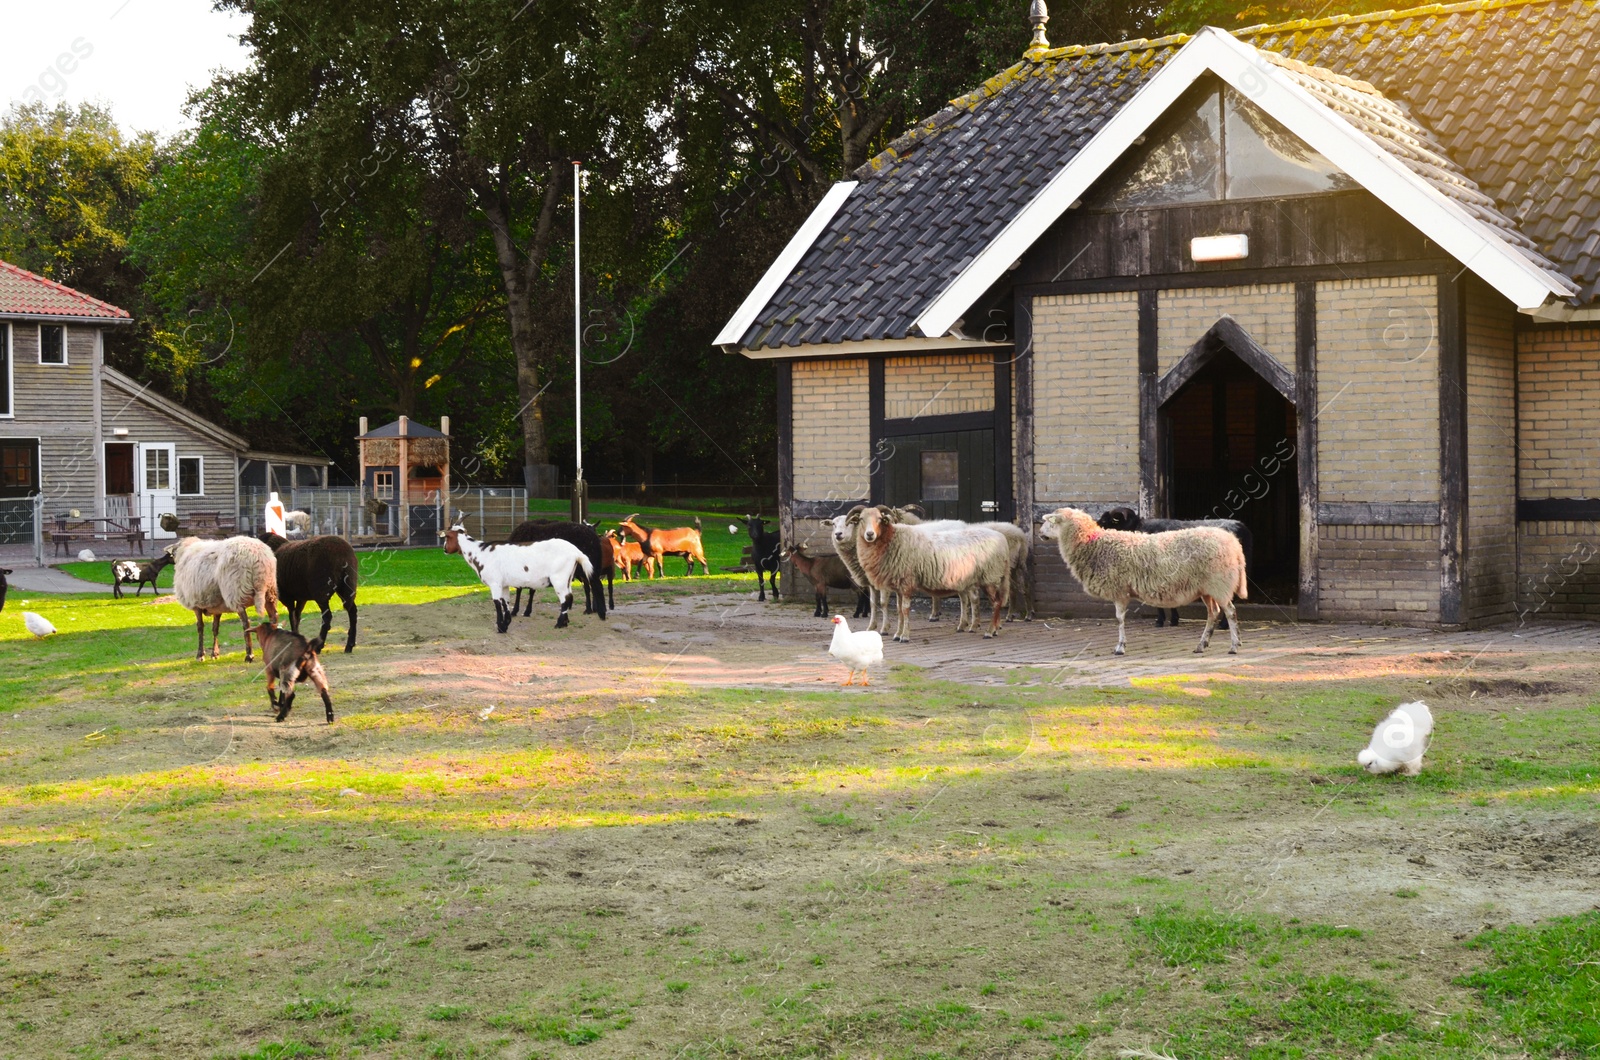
[1229, 454]
[119, 468]
[19, 467]
[951, 474]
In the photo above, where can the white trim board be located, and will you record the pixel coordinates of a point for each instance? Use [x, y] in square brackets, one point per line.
[1265, 84]
[864, 347]
[733, 331]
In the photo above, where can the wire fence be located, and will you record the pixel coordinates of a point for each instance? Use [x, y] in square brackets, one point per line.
[712, 496]
[357, 517]
[22, 529]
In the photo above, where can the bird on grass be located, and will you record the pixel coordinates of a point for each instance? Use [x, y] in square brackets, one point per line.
[856, 650]
[1399, 741]
[38, 625]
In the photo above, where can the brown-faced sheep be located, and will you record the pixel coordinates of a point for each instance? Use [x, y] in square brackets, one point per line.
[1163, 570]
[905, 558]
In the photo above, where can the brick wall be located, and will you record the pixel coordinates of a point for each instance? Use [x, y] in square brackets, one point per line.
[1491, 545]
[831, 430]
[1266, 311]
[1379, 573]
[1558, 570]
[1558, 446]
[1558, 381]
[937, 385]
[1086, 418]
[1378, 384]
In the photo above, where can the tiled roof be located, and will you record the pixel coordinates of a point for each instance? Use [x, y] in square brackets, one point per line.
[1491, 103]
[23, 293]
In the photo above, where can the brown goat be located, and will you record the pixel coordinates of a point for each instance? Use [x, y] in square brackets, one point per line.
[824, 573]
[680, 541]
[628, 554]
[289, 659]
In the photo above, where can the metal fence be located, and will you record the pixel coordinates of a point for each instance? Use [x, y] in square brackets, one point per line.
[22, 528]
[489, 511]
[723, 497]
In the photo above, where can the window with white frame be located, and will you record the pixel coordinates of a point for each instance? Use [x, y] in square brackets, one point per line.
[52, 344]
[191, 476]
[383, 485]
[5, 370]
[157, 470]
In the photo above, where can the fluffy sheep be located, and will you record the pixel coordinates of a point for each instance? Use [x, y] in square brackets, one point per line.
[225, 577]
[1121, 518]
[904, 558]
[1164, 570]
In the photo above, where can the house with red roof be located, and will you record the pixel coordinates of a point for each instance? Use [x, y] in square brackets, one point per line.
[93, 442]
[1335, 278]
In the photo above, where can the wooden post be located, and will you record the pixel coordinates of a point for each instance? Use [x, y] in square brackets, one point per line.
[1452, 451]
[1151, 501]
[1305, 392]
[1022, 346]
[402, 475]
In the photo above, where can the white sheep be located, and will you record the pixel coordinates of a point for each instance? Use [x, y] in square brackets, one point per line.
[531, 565]
[846, 531]
[905, 557]
[297, 523]
[225, 577]
[1164, 570]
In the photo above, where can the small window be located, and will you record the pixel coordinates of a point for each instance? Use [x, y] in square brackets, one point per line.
[16, 467]
[52, 344]
[157, 470]
[5, 369]
[941, 475]
[383, 485]
[191, 476]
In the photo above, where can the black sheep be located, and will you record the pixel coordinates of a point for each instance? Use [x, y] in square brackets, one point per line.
[766, 549]
[124, 571]
[318, 568]
[582, 536]
[1128, 519]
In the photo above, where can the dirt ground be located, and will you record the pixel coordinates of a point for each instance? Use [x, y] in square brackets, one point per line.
[673, 834]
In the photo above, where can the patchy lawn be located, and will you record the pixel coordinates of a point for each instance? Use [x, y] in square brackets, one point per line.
[594, 842]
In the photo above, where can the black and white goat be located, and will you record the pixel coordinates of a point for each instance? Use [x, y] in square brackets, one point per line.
[129, 571]
[1128, 519]
[503, 566]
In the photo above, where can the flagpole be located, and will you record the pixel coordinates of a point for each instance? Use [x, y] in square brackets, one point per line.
[580, 490]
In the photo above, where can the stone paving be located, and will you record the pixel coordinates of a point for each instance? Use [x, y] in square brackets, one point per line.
[728, 640]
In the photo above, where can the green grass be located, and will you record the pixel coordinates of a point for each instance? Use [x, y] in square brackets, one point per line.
[1544, 982]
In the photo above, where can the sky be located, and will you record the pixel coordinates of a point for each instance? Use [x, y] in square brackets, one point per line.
[139, 56]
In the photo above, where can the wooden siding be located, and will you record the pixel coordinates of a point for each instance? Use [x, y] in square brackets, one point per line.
[145, 424]
[1348, 228]
[55, 404]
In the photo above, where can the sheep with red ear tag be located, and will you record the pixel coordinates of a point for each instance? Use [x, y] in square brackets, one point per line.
[1399, 741]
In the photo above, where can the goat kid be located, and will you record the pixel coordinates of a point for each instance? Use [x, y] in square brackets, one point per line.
[289, 659]
[128, 571]
[531, 566]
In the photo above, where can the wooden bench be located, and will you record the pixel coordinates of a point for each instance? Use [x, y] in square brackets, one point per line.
[68, 530]
[209, 524]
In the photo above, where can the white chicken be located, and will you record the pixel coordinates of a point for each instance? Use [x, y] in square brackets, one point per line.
[38, 625]
[856, 650]
[1399, 741]
[86, 555]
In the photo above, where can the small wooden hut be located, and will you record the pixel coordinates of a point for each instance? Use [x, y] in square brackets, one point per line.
[405, 475]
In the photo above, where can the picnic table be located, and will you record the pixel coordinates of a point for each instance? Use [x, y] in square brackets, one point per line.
[67, 530]
[209, 524]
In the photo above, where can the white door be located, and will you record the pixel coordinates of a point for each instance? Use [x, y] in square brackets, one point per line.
[156, 476]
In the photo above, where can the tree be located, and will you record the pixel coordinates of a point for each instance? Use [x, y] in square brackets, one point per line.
[70, 185]
[1186, 16]
[493, 98]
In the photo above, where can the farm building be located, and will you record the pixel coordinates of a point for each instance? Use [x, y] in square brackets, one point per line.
[109, 455]
[405, 473]
[1335, 278]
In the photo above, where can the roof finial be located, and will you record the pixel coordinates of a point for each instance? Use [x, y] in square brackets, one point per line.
[1038, 14]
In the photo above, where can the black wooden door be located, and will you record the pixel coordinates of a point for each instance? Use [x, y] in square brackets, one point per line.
[951, 475]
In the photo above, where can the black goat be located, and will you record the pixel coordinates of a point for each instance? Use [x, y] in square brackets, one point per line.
[124, 571]
[827, 572]
[3, 572]
[766, 549]
[318, 568]
[1128, 519]
[581, 536]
